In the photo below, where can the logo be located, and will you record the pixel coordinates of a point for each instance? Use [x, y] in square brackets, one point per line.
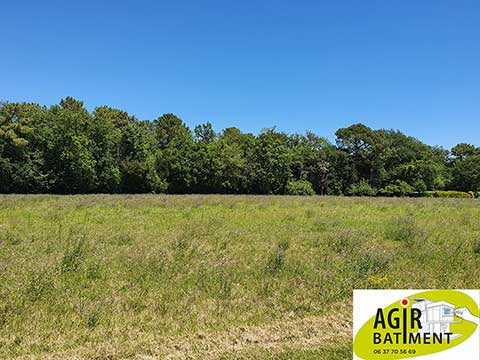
[404, 324]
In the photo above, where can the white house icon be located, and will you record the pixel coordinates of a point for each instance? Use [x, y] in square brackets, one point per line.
[437, 316]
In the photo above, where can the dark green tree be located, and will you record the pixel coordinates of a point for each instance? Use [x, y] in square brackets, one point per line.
[272, 160]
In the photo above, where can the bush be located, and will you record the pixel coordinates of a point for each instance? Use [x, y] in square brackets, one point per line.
[451, 194]
[362, 188]
[420, 186]
[299, 187]
[400, 188]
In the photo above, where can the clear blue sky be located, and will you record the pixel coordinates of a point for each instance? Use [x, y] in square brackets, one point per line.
[319, 65]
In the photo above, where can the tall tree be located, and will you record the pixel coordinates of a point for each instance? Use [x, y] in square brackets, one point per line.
[174, 160]
[70, 155]
[22, 166]
[272, 160]
[465, 167]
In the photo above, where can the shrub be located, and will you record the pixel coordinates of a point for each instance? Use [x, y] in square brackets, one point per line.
[451, 194]
[362, 188]
[420, 186]
[400, 188]
[299, 187]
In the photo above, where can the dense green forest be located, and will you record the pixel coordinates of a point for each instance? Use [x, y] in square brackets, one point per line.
[65, 149]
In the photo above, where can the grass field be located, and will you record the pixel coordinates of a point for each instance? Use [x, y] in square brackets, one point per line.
[215, 277]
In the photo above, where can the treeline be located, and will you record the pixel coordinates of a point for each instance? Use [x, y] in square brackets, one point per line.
[65, 149]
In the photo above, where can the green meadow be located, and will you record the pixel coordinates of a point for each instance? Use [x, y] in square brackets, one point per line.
[215, 277]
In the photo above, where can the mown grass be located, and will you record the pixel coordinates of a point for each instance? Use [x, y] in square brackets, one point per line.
[327, 353]
[122, 274]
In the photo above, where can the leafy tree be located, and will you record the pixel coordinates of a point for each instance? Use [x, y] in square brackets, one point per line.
[465, 168]
[463, 150]
[139, 160]
[169, 128]
[71, 155]
[67, 149]
[21, 159]
[204, 133]
[312, 160]
[174, 161]
[358, 142]
[234, 149]
[272, 159]
[72, 104]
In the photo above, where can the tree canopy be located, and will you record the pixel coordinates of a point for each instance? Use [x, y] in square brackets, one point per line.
[66, 149]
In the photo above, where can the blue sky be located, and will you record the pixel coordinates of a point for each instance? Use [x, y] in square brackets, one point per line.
[297, 65]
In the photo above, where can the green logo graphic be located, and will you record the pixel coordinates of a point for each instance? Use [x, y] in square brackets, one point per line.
[424, 323]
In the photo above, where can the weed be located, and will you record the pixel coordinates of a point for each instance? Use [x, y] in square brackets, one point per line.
[215, 280]
[123, 239]
[40, 284]
[9, 237]
[377, 281]
[94, 271]
[324, 224]
[309, 213]
[74, 255]
[343, 242]
[93, 320]
[476, 246]
[369, 263]
[276, 262]
[405, 230]
[183, 242]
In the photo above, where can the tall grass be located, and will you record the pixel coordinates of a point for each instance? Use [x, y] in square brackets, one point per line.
[122, 274]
